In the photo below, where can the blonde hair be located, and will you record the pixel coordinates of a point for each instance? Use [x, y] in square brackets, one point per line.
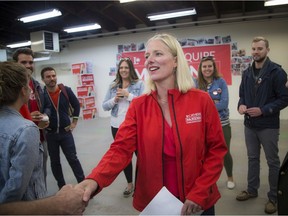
[259, 38]
[184, 81]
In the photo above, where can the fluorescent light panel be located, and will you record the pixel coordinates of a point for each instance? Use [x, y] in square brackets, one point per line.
[83, 28]
[275, 2]
[41, 59]
[172, 14]
[125, 1]
[41, 15]
[20, 44]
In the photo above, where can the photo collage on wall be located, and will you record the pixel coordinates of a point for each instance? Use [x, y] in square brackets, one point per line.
[125, 48]
[85, 89]
[239, 61]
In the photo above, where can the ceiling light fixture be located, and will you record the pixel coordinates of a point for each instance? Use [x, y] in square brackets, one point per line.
[275, 2]
[172, 14]
[41, 59]
[40, 15]
[83, 28]
[20, 44]
[126, 1]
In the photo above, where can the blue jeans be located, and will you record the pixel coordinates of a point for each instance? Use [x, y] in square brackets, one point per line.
[268, 138]
[64, 140]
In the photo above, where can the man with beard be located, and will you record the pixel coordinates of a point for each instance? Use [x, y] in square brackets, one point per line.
[262, 95]
[59, 132]
[38, 107]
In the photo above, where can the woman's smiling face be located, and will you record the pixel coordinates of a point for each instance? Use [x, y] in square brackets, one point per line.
[207, 69]
[160, 63]
[124, 70]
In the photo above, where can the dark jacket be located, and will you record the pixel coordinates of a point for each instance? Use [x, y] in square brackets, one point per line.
[283, 188]
[268, 92]
[59, 118]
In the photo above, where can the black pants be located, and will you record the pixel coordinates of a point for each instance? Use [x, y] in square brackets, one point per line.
[64, 140]
[128, 171]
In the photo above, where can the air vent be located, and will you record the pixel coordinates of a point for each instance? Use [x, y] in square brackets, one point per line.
[44, 41]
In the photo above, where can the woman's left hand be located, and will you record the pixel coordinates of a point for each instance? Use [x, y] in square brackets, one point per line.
[190, 208]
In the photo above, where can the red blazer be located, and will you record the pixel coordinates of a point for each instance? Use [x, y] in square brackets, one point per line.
[200, 148]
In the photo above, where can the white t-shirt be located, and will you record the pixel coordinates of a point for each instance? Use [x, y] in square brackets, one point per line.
[123, 104]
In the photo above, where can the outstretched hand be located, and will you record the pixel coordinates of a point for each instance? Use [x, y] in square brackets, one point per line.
[70, 200]
[89, 186]
[190, 207]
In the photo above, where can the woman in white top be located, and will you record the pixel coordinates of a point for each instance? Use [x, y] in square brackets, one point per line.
[123, 89]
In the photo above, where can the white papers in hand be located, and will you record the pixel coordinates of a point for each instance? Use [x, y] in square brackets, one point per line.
[164, 203]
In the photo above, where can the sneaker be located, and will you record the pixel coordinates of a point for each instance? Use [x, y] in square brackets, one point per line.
[230, 185]
[270, 207]
[245, 195]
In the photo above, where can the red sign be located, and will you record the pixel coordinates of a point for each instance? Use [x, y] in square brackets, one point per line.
[87, 79]
[89, 113]
[221, 54]
[82, 68]
[79, 68]
[85, 91]
[89, 102]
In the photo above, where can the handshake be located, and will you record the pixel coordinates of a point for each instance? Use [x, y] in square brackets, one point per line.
[74, 199]
[70, 200]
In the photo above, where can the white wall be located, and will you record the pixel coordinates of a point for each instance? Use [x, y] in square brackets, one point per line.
[101, 52]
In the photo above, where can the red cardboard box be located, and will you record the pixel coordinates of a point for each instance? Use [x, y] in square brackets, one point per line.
[89, 102]
[87, 79]
[89, 113]
[85, 91]
[82, 68]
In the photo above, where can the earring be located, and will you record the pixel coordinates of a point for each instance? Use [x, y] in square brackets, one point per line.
[175, 70]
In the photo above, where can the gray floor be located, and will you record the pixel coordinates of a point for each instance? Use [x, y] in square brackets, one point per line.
[93, 138]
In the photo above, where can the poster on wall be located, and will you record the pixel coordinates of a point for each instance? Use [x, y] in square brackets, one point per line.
[85, 91]
[81, 68]
[113, 71]
[87, 79]
[89, 102]
[230, 59]
[89, 113]
[220, 52]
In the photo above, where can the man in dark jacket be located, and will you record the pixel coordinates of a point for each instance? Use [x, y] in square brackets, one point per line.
[59, 132]
[262, 95]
